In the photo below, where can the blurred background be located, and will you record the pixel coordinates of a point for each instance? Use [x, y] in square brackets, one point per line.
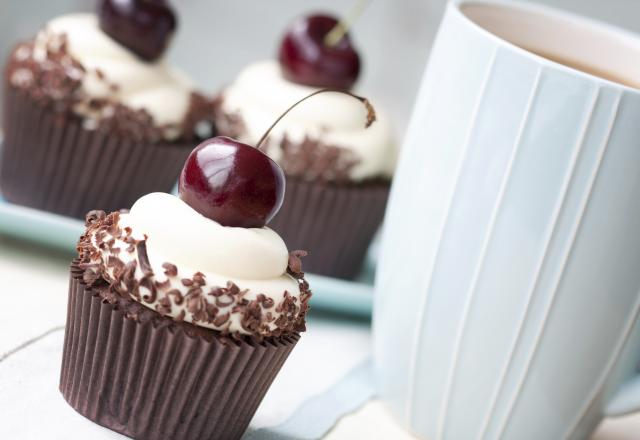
[216, 38]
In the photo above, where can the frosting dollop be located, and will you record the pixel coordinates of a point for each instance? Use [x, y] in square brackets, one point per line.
[188, 238]
[260, 94]
[171, 259]
[114, 72]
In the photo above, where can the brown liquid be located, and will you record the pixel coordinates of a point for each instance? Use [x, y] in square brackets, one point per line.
[590, 69]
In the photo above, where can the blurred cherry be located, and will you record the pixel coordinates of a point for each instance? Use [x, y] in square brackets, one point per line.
[306, 58]
[143, 26]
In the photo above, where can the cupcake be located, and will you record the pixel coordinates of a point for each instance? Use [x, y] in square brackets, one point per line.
[182, 310]
[93, 116]
[338, 173]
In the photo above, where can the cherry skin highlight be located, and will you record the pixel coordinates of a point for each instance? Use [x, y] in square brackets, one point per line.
[232, 183]
[143, 26]
[306, 59]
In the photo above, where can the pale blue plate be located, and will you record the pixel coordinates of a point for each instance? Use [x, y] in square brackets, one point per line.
[62, 233]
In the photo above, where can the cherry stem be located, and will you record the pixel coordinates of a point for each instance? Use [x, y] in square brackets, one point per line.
[371, 113]
[342, 27]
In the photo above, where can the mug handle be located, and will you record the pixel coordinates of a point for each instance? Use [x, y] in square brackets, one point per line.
[626, 400]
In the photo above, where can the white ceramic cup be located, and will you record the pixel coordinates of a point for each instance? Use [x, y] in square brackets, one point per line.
[508, 288]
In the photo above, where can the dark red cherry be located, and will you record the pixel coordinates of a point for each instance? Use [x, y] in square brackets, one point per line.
[232, 183]
[306, 59]
[143, 26]
[236, 184]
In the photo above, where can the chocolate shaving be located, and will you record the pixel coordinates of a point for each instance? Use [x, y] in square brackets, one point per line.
[295, 261]
[266, 301]
[90, 276]
[371, 113]
[199, 279]
[220, 320]
[170, 270]
[177, 296]
[163, 284]
[197, 305]
[129, 275]
[220, 300]
[94, 216]
[150, 286]
[143, 258]
[164, 306]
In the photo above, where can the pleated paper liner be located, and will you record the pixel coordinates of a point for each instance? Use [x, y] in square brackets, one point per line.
[334, 222]
[149, 378]
[50, 162]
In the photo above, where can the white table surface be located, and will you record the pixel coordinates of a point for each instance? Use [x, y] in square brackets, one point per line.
[33, 283]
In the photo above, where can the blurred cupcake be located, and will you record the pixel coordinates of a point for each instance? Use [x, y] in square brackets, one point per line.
[338, 172]
[177, 325]
[93, 116]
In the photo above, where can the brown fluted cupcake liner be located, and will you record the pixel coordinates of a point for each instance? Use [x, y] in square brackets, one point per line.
[50, 162]
[334, 222]
[152, 379]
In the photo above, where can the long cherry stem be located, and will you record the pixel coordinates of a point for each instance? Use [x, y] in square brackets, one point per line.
[342, 27]
[371, 113]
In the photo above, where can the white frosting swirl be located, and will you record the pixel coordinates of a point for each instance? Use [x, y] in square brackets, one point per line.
[260, 94]
[188, 239]
[255, 260]
[156, 87]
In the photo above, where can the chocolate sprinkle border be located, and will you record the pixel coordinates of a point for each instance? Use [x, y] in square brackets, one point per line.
[203, 305]
[56, 83]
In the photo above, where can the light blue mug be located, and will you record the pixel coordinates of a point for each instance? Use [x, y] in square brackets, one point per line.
[508, 288]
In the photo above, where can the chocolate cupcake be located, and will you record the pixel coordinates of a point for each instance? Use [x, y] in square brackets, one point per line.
[338, 173]
[90, 119]
[178, 324]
